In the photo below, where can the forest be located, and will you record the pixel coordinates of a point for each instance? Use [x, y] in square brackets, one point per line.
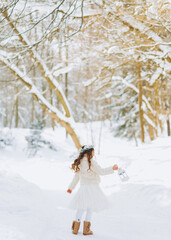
[70, 61]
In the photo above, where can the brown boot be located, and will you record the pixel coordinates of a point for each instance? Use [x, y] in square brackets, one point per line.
[75, 227]
[86, 230]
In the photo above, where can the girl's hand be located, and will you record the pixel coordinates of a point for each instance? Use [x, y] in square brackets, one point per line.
[69, 191]
[115, 167]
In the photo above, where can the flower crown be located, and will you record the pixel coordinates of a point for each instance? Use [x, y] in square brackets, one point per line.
[86, 147]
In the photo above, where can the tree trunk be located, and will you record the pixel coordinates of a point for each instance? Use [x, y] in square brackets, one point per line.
[6, 106]
[140, 87]
[12, 114]
[32, 109]
[66, 75]
[68, 128]
[43, 111]
[51, 101]
[168, 127]
[156, 104]
[151, 129]
[16, 109]
[32, 99]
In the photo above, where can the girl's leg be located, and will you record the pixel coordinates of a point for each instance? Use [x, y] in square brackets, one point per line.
[88, 216]
[79, 214]
[87, 222]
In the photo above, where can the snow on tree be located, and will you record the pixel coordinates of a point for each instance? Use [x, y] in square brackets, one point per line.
[83, 74]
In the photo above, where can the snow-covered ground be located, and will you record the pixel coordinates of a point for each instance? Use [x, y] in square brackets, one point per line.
[33, 198]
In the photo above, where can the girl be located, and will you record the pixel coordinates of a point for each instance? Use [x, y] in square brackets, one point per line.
[89, 196]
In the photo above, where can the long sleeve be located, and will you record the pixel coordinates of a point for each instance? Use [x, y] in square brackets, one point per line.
[74, 182]
[101, 171]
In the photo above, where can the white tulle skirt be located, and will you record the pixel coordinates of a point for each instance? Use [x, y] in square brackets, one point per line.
[89, 196]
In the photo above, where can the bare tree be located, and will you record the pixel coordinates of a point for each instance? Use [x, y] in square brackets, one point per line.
[56, 15]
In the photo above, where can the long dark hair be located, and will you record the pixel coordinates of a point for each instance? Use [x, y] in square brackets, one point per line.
[77, 161]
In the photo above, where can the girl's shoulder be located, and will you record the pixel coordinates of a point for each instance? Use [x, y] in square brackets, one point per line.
[93, 162]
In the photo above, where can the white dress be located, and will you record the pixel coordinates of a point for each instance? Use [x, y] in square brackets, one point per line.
[89, 195]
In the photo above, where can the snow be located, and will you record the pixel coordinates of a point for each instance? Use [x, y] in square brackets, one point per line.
[33, 198]
[144, 29]
[114, 49]
[149, 121]
[156, 75]
[89, 82]
[63, 70]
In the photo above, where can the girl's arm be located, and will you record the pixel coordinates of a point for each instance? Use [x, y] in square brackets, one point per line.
[102, 171]
[74, 182]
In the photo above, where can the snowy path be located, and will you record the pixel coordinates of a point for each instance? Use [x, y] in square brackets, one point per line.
[33, 214]
[33, 198]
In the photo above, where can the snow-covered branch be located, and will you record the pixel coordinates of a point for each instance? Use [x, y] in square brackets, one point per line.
[43, 68]
[56, 14]
[145, 100]
[52, 111]
[164, 46]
